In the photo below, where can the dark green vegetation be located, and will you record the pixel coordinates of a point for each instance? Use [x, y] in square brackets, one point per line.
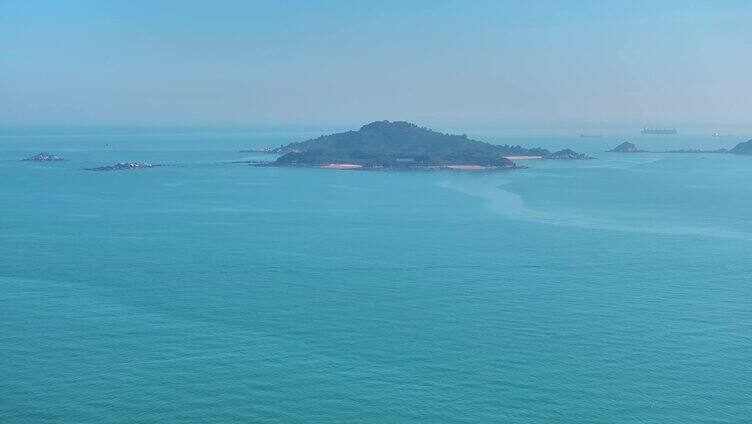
[404, 145]
[626, 147]
[568, 154]
[742, 148]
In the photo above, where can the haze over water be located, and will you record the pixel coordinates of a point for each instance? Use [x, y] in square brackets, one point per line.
[608, 290]
[207, 290]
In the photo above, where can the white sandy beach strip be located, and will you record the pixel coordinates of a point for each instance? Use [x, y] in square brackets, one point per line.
[467, 167]
[523, 157]
[342, 166]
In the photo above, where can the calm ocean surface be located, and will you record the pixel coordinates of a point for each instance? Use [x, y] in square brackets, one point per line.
[612, 290]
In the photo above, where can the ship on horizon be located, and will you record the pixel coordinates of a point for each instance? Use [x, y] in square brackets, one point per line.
[663, 131]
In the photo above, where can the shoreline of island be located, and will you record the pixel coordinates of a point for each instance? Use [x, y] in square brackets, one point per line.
[357, 167]
[402, 145]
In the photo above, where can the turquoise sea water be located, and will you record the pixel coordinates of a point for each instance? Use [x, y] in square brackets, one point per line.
[613, 290]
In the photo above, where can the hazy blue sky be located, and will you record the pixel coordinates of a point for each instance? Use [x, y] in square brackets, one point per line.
[452, 62]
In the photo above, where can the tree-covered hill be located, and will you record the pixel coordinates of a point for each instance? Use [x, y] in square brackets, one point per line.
[400, 144]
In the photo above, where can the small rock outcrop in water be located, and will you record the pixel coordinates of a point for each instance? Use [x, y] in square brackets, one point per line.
[568, 154]
[626, 147]
[44, 157]
[123, 166]
[742, 148]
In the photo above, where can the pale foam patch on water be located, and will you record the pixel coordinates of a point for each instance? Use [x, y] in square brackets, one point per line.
[625, 165]
[349, 187]
[512, 206]
[253, 183]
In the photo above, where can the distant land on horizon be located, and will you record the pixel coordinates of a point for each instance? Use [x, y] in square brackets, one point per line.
[401, 145]
[744, 148]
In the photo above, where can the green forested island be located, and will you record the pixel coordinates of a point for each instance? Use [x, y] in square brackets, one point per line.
[385, 144]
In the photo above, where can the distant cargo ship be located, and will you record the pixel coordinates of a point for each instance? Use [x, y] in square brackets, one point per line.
[664, 131]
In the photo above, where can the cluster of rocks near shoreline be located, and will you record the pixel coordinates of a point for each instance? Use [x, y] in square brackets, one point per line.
[44, 157]
[120, 166]
[123, 166]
